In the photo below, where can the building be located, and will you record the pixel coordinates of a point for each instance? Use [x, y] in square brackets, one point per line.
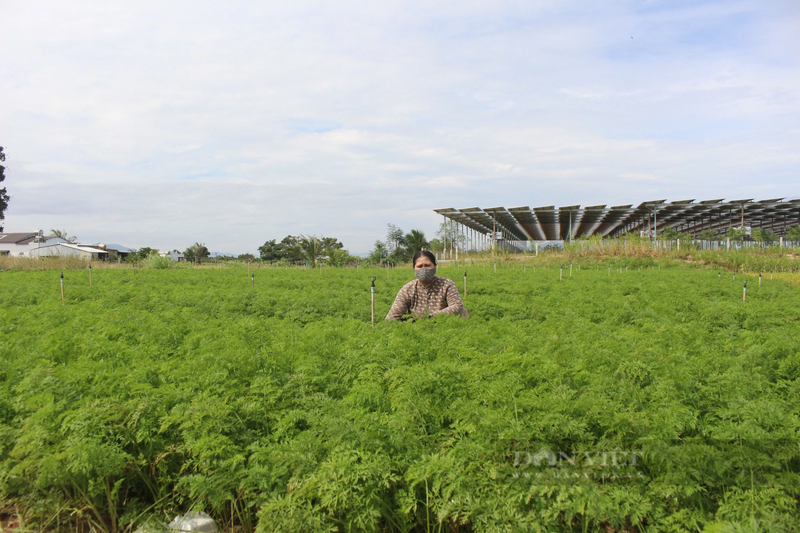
[175, 255]
[65, 249]
[22, 244]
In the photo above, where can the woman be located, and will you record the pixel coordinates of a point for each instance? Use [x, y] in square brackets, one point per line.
[428, 295]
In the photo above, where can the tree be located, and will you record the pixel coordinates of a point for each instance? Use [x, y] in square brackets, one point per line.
[290, 249]
[331, 243]
[249, 258]
[4, 198]
[196, 252]
[736, 234]
[415, 241]
[270, 251]
[62, 233]
[708, 235]
[339, 257]
[379, 253]
[144, 252]
[312, 248]
[793, 234]
[448, 233]
[764, 235]
[394, 238]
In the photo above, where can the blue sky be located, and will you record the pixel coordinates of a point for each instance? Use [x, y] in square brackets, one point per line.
[161, 124]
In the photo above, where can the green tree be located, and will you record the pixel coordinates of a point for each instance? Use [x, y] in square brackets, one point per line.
[144, 252]
[449, 233]
[4, 198]
[708, 235]
[394, 238]
[764, 235]
[196, 252]
[415, 241]
[312, 248]
[436, 246]
[271, 251]
[379, 253]
[339, 257]
[736, 234]
[793, 234]
[290, 249]
[249, 258]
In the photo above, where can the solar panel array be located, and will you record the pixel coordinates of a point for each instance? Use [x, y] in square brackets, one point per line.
[552, 223]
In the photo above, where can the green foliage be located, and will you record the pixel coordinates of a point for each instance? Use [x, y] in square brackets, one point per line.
[736, 234]
[708, 235]
[196, 253]
[793, 234]
[144, 252]
[379, 253]
[279, 407]
[158, 262]
[303, 248]
[415, 241]
[764, 235]
[671, 234]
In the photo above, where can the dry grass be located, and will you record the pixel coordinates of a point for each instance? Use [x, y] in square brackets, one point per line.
[53, 263]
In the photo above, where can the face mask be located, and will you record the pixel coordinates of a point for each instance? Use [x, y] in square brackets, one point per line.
[425, 274]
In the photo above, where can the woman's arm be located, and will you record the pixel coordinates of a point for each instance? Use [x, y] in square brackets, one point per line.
[401, 304]
[453, 299]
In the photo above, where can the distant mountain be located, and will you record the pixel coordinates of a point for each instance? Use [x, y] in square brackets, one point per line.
[223, 254]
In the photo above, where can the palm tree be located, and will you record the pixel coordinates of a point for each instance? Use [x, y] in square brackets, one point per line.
[415, 241]
[312, 248]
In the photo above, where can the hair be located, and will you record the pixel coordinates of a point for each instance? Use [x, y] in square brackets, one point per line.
[419, 254]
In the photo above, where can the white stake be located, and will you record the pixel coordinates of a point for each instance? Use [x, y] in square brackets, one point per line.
[372, 296]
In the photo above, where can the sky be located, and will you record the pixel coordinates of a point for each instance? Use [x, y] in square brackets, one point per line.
[161, 124]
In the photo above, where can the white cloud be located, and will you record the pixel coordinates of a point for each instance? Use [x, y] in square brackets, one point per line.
[162, 124]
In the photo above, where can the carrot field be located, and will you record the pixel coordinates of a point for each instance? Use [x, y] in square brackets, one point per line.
[632, 395]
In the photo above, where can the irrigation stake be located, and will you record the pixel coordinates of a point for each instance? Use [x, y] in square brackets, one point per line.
[465, 284]
[570, 270]
[560, 273]
[719, 275]
[372, 296]
[759, 279]
[62, 285]
[744, 292]
[495, 267]
[253, 279]
[609, 270]
[90, 275]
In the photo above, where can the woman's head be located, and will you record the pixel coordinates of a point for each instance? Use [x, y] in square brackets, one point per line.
[424, 266]
[423, 259]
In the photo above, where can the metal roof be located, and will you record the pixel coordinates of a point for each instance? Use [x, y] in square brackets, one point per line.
[552, 223]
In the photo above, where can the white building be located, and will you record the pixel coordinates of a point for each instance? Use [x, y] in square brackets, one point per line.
[65, 249]
[175, 255]
[21, 244]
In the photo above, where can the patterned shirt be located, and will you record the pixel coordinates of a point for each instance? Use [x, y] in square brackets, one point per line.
[441, 296]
